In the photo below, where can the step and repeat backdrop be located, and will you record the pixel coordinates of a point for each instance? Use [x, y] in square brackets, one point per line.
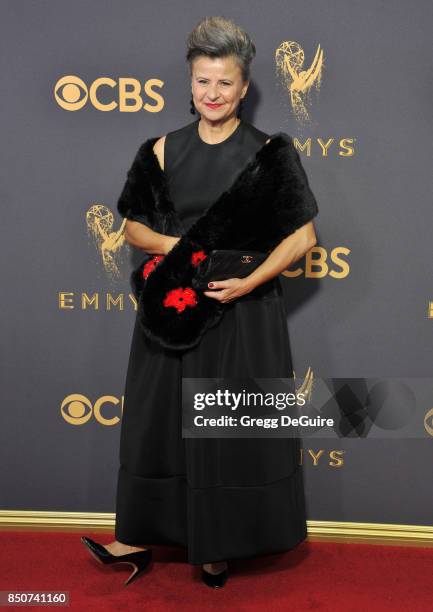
[84, 84]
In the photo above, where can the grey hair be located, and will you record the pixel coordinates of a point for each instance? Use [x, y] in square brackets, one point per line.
[221, 37]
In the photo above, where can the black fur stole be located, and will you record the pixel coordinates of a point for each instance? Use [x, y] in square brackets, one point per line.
[268, 200]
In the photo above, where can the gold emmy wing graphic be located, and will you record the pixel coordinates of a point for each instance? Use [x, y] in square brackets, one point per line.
[289, 60]
[306, 386]
[108, 242]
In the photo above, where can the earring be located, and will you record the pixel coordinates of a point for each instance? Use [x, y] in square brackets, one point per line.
[192, 108]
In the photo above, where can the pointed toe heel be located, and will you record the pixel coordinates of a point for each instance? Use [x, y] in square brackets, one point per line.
[139, 559]
[216, 581]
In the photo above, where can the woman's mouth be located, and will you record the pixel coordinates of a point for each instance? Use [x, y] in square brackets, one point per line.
[209, 105]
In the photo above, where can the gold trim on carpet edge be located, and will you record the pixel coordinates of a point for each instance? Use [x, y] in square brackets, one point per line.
[329, 531]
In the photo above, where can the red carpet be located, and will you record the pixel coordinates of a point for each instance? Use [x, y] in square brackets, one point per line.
[314, 576]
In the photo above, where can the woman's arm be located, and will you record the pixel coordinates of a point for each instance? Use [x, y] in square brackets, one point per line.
[140, 235]
[283, 256]
[289, 250]
[143, 237]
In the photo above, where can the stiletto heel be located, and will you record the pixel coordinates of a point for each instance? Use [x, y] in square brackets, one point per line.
[139, 559]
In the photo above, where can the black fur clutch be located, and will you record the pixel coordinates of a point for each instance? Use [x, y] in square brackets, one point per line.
[222, 264]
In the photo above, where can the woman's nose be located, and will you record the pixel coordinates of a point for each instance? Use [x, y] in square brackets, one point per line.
[213, 93]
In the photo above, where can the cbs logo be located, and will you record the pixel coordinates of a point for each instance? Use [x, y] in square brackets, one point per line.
[71, 93]
[318, 263]
[77, 409]
[428, 422]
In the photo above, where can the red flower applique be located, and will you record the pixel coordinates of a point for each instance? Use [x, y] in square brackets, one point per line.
[180, 298]
[197, 257]
[151, 264]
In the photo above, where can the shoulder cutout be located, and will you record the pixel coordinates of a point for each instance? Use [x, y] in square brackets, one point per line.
[158, 149]
[267, 141]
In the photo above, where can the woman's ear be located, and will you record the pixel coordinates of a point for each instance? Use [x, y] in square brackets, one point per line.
[245, 89]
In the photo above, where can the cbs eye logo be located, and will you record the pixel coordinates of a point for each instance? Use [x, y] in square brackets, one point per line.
[72, 93]
[428, 422]
[77, 409]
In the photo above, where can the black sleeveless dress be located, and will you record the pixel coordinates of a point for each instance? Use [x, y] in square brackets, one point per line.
[219, 498]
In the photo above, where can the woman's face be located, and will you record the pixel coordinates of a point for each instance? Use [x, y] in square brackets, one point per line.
[217, 81]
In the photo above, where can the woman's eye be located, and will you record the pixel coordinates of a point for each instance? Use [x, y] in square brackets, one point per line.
[204, 83]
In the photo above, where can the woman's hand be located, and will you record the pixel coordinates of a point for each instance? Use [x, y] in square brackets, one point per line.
[169, 242]
[228, 290]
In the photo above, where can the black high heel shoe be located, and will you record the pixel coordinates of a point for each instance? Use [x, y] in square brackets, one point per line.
[139, 559]
[214, 580]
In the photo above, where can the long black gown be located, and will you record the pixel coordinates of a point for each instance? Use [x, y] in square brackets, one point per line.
[220, 498]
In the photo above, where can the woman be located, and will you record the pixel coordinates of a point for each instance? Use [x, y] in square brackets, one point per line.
[219, 498]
